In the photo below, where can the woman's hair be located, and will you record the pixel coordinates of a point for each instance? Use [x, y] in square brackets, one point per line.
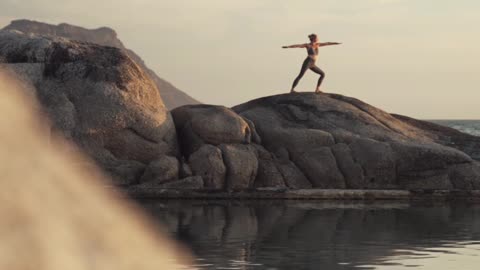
[312, 36]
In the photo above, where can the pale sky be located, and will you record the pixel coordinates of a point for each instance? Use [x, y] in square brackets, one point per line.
[419, 58]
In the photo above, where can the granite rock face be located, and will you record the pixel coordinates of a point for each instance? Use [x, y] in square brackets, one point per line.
[205, 124]
[342, 142]
[95, 96]
[328, 141]
[104, 36]
[207, 162]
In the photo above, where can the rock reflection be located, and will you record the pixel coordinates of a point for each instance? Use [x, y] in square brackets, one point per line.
[306, 235]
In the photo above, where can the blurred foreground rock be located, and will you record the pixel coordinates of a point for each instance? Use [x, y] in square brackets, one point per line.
[55, 214]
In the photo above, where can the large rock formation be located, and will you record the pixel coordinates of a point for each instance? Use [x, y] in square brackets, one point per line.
[99, 98]
[341, 142]
[104, 36]
[54, 213]
[95, 96]
[324, 141]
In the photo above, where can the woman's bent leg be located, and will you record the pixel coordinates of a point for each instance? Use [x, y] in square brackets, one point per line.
[322, 76]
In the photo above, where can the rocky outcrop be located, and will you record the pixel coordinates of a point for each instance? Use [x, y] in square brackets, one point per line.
[321, 141]
[342, 142]
[447, 136]
[103, 36]
[95, 96]
[100, 99]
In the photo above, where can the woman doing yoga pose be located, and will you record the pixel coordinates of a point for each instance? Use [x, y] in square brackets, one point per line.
[309, 63]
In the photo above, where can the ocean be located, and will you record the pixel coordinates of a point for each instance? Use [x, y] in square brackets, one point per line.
[467, 126]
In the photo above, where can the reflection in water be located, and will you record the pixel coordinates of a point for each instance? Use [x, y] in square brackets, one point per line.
[306, 235]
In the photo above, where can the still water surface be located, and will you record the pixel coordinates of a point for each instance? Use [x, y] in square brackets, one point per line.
[324, 235]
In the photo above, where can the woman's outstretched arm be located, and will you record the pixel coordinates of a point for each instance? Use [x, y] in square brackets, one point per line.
[328, 43]
[295, 46]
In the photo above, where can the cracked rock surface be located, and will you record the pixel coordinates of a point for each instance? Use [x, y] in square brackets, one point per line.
[342, 142]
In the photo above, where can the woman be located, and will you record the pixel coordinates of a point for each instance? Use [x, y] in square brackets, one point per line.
[309, 63]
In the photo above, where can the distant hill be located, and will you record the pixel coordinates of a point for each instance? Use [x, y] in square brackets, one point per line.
[172, 97]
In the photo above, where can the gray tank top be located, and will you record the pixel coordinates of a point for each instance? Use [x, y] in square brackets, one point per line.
[312, 51]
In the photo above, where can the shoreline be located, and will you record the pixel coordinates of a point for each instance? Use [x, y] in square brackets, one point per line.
[305, 194]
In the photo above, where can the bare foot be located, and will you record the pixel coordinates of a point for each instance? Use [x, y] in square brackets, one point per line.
[318, 91]
[293, 91]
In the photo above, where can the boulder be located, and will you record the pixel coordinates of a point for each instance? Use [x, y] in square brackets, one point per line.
[342, 142]
[192, 182]
[104, 36]
[293, 176]
[465, 176]
[242, 165]
[208, 124]
[95, 96]
[268, 174]
[321, 168]
[162, 170]
[351, 170]
[378, 162]
[125, 173]
[207, 162]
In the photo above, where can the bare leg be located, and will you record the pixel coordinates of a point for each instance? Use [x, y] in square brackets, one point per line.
[305, 66]
[320, 80]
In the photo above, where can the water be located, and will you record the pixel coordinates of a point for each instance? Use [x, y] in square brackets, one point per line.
[467, 126]
[324, 235]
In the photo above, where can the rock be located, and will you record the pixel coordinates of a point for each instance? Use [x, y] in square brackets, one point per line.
[162, 170]
[185, 170]
[241, 163]
[192, 182]
[207, 162]
[293, 177]
[208, 124]
[321, 168]
[420, 157]
[104, 36]
[126, 173]
[100, 99]
[428, 166]
[426, 180]
[255, 137]
[268, 174]
[342, 142]
[447, 136]
[296, 140]
[351, 170]
[465, 176]
[377, 161]
[96, 96]
[58, 214]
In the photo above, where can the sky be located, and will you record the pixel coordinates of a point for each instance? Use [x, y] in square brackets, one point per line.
[419, 58]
